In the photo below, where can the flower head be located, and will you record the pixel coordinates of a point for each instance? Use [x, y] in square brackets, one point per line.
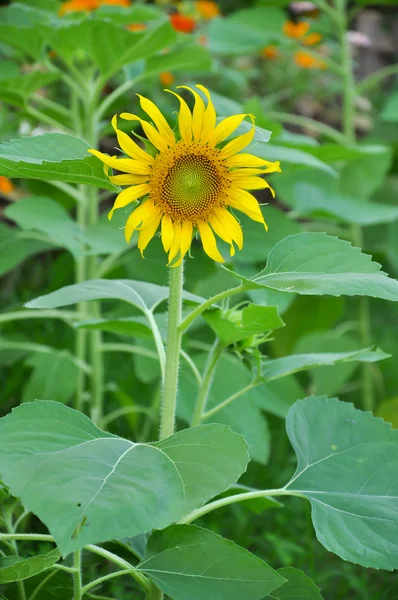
[191, 180]
[136, 27]
[207, 9]
[88, 5]
[307, 61]
[299, 32]
[166, 78]
[6, 185]
[182, 23]
[270, 52]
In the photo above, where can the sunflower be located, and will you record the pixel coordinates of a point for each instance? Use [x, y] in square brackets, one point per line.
[190, 181]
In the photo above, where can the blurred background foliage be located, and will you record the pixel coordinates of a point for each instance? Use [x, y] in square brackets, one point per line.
[277, 60]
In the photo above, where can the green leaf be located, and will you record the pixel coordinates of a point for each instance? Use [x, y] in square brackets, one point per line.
[390, 109]
[209, 458]
[71, 475]
[17, 90]
[122, 47]
[291, 156]
[317, 264]
[49, 369]
[184, 58]
[145, 296]
[239, 325]
[362, 176]
[16, 568]
[243, 415]
[132, 326]
[49, 217]
[297, 587]
[280, 367]
[191, 563]
[14, 250]
[8, 70]
[310, 199]
[53, 585]
[347, 468]
[129, 14]
[246, 31]
[54, 157]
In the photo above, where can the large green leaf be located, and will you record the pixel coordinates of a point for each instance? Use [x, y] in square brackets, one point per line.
[122, 47]
[291, 156]
[209, 458]
[317, 264]
[52, 156]
[17, 90]
[297, 587]
[145, 296]
[280, 367]
[16, 568]
[252, 321]
[86, 485]
[347, 468]
[191, 563]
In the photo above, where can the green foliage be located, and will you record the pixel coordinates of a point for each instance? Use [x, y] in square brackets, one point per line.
[15, 568]
[188, 562]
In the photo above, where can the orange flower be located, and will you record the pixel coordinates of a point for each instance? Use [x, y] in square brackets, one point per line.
[136, 27]
[207, 9]
[270, 52]
[312, 39]
[306, 61]
[296, 31]
[166, 78]
[114, 2]
[6, 185]
[299, 31]
[78, 6]
[183, 23]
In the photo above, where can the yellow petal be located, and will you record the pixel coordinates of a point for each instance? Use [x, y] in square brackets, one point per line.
[128, 165]
[209, 241]
[175, 246]
[253, 183]
[198, 114]
[128, 179]
[142, 213]
[209, 118]
[129, 195]
[230, 225]
[225, 128]
[238, 173]
[248, 160]
[147, 232]
[186, 238]
[219, 229]
[237, 144]
[150, 131]
[184, 118]
[163, 127]
[167, 232]
[247, 204]
[128, 146]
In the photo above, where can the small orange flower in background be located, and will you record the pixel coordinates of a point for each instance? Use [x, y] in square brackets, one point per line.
[182, 23]
[207, 9]
[6, 185]
[166, 78]
[88, 5]
[136, 27]
[299, 31]
[306, 61]
[270, 52]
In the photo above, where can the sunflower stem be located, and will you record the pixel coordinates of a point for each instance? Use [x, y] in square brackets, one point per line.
[349, 95]
[170, 386]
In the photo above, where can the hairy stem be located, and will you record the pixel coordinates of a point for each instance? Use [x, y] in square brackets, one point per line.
[202, 307]
[77, 575]
[169, 397]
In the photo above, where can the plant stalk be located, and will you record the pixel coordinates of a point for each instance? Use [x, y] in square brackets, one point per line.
[204, 389]
[77, 575]
[174, 334]
[349, 95]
